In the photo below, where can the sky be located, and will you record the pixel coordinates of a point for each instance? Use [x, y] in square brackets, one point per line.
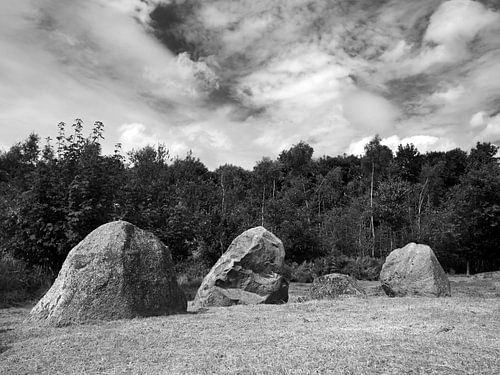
[236, 80]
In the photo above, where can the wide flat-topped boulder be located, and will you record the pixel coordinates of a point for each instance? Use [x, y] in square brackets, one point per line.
[249, 272]
[117, 272]
[414, 271]
[335, 285]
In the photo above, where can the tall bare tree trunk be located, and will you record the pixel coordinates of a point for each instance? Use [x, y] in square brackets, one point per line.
[223, 215]
[359, 237]
[319, 195]
[262, 207]
[306, 202]
[223, 194]
[420, 202]
[372, 225]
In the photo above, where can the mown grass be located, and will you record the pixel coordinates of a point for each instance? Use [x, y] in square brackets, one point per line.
[371, 335]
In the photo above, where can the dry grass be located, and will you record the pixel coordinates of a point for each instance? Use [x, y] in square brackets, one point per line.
[371, 335]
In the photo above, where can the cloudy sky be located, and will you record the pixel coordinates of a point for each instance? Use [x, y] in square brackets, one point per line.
[236, 80]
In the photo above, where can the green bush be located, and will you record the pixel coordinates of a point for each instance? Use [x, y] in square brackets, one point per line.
[20, 284]
[302, 273]
[326, 265]
[363, 268]
[190, 275]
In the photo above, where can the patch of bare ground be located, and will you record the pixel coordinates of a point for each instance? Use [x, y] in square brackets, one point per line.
[370, 335]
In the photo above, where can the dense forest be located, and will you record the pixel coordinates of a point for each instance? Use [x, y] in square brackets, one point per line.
[332, 213]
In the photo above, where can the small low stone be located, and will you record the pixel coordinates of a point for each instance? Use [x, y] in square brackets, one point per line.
[335, 285]
[445, 329]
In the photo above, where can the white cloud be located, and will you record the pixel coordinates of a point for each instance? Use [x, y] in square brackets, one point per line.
[301, 90]
[485, 128]
[178, 149]
[491, 133]
[57, 66]
[247, 31]
[138, 8]
[400, 50]
[185, 80]
[451, 27]
[135, 136]
[478, 120]
[458, 22]
[203, 133]
[423, 143]
[366, 110]
[358, 147]
[449, 95]
[213, 17]
[81, 67]
[305, 75]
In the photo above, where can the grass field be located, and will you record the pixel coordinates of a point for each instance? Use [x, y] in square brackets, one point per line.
[372, 335]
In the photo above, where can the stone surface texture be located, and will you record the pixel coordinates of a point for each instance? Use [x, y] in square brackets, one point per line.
[249, 272]
[117, 272]
[335, 285]
[414, 271]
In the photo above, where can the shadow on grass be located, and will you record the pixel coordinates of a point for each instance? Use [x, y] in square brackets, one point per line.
[4, 348]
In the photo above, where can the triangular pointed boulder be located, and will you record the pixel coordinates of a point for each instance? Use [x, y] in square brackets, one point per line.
[117, 272]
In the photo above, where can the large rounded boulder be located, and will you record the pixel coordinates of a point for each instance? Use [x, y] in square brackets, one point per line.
[248, 273]
[335, 285]
[414, 271]
[117, 272]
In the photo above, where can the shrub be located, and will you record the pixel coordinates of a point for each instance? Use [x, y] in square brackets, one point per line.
[326, 265]
[363, 268]
[190, 275]
[302, 273]
[286, 271]
[13, 281]
[20, 284]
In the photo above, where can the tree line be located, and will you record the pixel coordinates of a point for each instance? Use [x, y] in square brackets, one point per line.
[327, 210]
